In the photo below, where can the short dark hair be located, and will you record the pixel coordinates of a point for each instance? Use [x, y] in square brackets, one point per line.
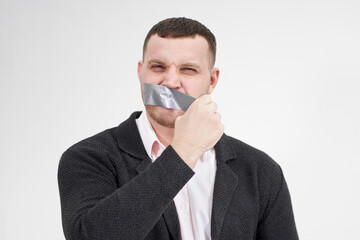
[182, 27]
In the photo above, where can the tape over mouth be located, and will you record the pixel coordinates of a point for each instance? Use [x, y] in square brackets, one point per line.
[157, 95]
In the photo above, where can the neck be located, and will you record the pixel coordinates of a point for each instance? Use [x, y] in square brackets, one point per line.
[164, 134]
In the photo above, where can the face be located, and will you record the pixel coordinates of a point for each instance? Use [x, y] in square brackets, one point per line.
[183, 64]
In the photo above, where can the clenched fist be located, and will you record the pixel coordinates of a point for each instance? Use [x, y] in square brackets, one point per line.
[198, 130]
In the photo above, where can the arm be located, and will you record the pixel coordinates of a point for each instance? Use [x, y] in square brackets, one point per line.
[93, 207]
[277, 222]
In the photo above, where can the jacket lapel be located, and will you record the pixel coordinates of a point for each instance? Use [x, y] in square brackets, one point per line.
[172, 221]
[170, 214]
[133, 145]
[225, 183]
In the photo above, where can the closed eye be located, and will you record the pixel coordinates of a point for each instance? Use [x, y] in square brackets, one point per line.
[157, 67]
[188, 70]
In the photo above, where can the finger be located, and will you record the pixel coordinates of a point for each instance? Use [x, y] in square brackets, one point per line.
[177, 119]
[206, 99]
[222, 127]
[212, 107]
[217, 116]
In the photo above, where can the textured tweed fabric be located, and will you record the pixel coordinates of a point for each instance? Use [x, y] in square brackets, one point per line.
[109, 190]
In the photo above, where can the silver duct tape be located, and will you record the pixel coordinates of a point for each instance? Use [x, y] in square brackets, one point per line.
[162, 96]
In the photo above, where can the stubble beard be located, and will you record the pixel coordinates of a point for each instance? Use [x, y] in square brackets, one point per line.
[164, 117]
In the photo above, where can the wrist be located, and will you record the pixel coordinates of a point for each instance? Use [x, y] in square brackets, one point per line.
[188, 155]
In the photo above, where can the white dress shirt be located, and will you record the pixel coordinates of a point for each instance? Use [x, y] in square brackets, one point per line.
[194, 201]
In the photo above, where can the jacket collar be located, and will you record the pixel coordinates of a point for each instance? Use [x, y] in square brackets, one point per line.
[128, 138]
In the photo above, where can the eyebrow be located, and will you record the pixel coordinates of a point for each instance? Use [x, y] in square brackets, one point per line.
[192, 65]
[155, 61]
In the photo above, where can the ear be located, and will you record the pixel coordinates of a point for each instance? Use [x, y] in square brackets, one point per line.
[214, 77]
[140, 64]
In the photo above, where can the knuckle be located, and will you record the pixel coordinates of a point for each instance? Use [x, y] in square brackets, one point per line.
[215, 105]
[178, 119]
[206, 98]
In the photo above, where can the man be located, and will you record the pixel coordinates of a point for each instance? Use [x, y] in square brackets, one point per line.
[173, 174]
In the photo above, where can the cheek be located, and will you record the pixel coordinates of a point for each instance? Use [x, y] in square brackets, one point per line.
[196, 87]
[149, 77]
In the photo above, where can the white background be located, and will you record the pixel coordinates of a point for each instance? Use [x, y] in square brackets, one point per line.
[289, 85]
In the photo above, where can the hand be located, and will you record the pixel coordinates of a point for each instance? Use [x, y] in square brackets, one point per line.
[197, 131]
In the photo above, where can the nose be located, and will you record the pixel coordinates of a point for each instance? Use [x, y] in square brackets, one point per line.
[171, 78]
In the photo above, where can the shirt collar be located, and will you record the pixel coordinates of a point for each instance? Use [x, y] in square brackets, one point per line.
[147, 134]
[149, 138]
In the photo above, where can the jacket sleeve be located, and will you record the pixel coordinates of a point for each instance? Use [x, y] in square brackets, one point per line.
[277, 221]
[94, 207]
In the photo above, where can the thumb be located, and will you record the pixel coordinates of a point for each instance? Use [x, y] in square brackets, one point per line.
[178, 118]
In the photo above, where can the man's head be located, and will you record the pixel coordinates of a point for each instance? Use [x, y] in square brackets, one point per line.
[178, 53]
[180, 28]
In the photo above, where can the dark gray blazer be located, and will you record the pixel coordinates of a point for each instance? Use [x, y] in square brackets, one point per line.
[109, 190]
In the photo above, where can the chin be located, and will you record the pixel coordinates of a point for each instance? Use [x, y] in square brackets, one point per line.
[164, 116]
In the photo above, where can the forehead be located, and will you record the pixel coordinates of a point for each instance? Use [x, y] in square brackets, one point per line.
[194, 48]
